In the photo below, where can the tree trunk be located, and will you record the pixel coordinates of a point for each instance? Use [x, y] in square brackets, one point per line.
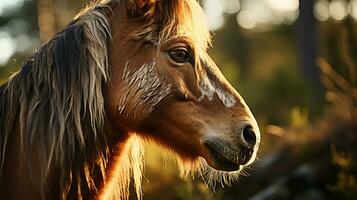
[307, 44]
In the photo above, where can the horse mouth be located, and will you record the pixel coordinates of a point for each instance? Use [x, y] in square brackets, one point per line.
[221, 162]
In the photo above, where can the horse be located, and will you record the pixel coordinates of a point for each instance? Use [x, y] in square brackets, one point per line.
[74, 117]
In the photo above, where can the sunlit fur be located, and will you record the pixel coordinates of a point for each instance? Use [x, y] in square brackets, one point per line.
[128, 167]
[210, 176]
[58, 102]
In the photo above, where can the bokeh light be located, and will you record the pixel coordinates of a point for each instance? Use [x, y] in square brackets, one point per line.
[353, 9]
[8, 4]
[214, 14]
[321, 10]
[267, 13]
[284, 5]
[231, 6]
[263, 14]
[338, 9]
[291, 17]
[246, 19]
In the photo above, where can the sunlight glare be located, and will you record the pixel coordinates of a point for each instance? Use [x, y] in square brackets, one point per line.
[338, 9]
[321, 11]
[7, 45]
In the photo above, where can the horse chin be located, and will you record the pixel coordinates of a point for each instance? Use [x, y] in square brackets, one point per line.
[221, 162]
[223, 158]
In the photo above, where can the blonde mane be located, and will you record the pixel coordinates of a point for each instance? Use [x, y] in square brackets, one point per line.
[57, 99]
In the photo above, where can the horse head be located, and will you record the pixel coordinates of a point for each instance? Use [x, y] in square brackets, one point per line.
[165, 87]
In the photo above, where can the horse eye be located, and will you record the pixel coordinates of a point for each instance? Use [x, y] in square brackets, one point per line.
[180, 55]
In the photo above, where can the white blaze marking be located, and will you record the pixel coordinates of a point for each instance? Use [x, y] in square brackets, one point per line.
[209, 88]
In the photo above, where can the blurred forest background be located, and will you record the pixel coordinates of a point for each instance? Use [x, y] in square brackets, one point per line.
[295, 62]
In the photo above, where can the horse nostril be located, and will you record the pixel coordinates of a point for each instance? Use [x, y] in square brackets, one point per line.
[249, 136]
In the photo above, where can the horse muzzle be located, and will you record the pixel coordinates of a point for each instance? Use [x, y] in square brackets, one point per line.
[233, 155]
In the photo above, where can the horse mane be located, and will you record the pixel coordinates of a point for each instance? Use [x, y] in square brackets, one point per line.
[57, 98]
